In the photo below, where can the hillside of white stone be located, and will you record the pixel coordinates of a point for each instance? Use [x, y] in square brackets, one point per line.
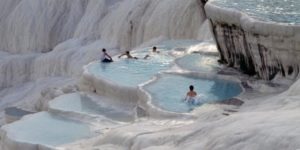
[76, 31]
[45, 44]
[56, 38]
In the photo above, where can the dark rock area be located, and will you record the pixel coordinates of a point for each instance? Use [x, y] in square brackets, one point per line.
[233, 101]
[254, 54]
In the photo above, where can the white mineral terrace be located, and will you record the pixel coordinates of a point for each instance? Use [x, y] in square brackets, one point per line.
[228, 12]
[255, 45]
[121, 104]
[283, 11]
[56, 95]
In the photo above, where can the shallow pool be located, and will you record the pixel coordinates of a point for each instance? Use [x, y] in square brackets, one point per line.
[47, 129]
[177, 44]
[169, 91]
[131, 72]
[82, 104]
[285, 11]
[198, 62]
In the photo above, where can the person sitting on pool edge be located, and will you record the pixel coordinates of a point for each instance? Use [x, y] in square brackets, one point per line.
[129, 56]
[191, 95]
[105, 58]
[154, 50]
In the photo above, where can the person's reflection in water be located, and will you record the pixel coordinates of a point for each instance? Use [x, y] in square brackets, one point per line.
[103, 66]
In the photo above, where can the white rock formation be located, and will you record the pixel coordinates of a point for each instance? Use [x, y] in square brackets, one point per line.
[76, 30]
[38, 26]
[254, 46]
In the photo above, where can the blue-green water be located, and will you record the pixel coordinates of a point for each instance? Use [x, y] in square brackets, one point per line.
[77, 103]
[170, 90]
[283, 11]
[198, 62]
[131, 72]
[46, 129]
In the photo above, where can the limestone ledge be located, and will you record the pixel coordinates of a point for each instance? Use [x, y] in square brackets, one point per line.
[255, 47]
[125, 95]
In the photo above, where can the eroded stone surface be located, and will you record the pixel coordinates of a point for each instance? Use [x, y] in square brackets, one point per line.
[255, 47]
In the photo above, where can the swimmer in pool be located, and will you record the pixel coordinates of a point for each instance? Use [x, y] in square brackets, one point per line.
[154, 50]
[128, 55]
[191, 95]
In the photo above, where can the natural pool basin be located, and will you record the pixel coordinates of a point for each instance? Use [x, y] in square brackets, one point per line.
[131, 72]
[284, 11]
[82, 104]
[177, 44]
[46, 129]
[198, 62]
[169, 91]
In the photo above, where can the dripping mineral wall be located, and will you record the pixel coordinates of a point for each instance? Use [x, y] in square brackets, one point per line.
[253, 46]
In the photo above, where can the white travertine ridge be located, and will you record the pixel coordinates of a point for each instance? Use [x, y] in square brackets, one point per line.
[47, 45]
[255, 46]
[121, 23]
[77, 30]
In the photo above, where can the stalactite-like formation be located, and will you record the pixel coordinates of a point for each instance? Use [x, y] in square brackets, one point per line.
[255, 47]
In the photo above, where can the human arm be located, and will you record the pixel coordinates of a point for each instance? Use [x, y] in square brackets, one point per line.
[121, 55]
[108, 56]
[186, 97]
[147, 56]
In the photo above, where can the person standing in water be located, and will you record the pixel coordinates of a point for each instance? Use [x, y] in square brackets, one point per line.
[128, 55]
[191, 95]
[105, 58]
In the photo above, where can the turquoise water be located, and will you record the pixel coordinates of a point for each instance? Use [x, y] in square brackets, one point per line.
[167, 46]
[284, 11]
[198, 62]
[170, 90]
[46, 129]
[131, 72]
[81, 104]
[173, 44]
[168, 93]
